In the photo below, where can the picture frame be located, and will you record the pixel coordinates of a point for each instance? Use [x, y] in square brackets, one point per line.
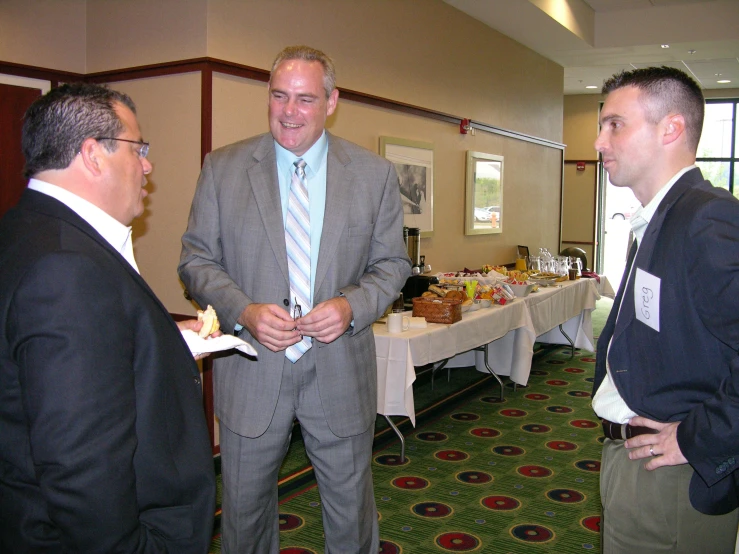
[483, 194]
[414, 164]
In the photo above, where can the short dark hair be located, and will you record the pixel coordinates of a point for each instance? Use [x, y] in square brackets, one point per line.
[56, 125]
[308, 54]
[666, 90]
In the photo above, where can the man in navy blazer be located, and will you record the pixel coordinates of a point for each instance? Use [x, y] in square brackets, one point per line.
[103, 442]
[667, 371]
[235, 257]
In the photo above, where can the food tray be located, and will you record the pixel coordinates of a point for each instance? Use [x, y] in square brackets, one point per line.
[437, 310]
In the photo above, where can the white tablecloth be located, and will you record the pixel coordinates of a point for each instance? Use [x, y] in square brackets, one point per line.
[605, 288]
[512, 329]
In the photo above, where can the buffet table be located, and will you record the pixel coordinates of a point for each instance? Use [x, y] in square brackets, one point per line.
[509, 331]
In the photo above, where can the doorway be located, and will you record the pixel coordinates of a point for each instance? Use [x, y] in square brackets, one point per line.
[14, 101]
[617, 205]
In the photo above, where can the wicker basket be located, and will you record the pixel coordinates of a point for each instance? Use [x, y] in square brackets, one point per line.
[438, 310]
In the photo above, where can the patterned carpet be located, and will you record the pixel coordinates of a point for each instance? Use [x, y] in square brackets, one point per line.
[481, 475]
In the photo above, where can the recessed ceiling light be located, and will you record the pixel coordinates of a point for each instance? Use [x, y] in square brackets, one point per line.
[665, 45]
[591, 86]
[723, 81]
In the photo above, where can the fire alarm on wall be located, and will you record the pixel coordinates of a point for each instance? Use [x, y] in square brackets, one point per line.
[581, 166]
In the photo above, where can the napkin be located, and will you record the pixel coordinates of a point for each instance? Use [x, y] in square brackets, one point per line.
[418, 323]
[200, 345]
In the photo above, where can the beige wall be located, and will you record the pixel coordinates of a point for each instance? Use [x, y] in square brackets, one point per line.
[419, 53]
[128, 33]
[580, 127]
[422, 53]
[44, 33]
[168, 121]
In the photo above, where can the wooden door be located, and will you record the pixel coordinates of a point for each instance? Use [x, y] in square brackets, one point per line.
[14, 102]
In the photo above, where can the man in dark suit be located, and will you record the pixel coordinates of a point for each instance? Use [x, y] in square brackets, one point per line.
[103, 443]
[667, 371]
[239, 254]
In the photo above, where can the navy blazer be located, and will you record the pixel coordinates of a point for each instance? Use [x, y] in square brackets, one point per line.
[687, 371]
[103, 442]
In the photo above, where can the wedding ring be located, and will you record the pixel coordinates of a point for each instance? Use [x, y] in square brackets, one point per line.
[651, 450]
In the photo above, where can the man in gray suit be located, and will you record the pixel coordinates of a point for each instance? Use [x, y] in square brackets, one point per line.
[239, 254]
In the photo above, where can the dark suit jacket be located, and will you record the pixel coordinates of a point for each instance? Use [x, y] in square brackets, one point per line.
[689, 370]
[233, 254]
[103, 442]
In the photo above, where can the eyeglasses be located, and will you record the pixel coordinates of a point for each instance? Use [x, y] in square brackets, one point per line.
[144, 145]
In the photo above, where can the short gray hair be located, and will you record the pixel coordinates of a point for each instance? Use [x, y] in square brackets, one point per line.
[57, 123]
[308, 54]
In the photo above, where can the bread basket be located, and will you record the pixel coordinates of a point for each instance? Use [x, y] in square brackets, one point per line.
[438, 310]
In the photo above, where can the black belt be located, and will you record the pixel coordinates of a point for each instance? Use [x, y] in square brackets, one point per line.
[623, 431]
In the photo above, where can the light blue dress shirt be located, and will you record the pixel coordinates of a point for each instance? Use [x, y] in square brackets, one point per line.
[315, 172]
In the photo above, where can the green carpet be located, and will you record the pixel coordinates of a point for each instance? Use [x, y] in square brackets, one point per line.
[481, 475]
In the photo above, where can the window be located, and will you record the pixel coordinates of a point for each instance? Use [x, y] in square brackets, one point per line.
[718, 151]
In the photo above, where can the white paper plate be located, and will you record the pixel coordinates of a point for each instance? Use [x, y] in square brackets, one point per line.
[200, 345]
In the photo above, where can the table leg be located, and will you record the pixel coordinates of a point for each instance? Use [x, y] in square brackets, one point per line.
[437, 368]
[572, 343]
[400, 436]
[490, 369]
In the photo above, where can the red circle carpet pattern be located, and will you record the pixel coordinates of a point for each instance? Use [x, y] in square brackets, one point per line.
[458, 542]
[431, 509]
[452, 455]
[501, 503]
[485, 432]
[474, 477]
[411, 483]
[290, 522]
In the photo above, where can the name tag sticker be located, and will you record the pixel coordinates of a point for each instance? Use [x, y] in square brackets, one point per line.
[646, 298]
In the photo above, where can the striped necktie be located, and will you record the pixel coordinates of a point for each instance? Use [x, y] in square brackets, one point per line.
[297, 241]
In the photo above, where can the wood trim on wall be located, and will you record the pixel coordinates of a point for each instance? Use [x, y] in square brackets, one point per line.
[208, 65]
[52, 75]
[206, 113]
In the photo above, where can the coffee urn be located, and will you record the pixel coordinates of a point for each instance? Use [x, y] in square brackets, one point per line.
[414, 249]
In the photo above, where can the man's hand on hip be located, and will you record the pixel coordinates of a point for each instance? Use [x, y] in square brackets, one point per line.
[328, 320]
[270, 325]
[662, 447]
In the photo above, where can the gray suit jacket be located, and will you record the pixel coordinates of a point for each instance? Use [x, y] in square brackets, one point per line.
[233, 254]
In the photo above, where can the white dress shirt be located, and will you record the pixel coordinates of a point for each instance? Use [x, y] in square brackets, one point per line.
[112, 230]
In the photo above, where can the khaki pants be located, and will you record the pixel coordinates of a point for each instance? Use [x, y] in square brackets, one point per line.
[649, 511]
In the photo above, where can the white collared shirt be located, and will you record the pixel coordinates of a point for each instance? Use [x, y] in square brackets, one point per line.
[112, 230]
[607, 402]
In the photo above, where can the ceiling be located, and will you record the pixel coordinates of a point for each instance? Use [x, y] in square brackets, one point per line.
[602, 37]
